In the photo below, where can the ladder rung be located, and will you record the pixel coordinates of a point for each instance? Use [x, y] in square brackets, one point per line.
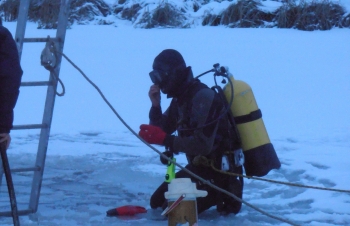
[39, 39]
[35, 168]
[43, 83]
[19, 212]
[31, 126]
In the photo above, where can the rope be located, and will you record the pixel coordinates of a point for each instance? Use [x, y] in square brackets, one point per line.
[166, 157]
[60, 81]
[49, 61]
[272, 181]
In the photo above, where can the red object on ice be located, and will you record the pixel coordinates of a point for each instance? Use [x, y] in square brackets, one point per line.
[126, 211]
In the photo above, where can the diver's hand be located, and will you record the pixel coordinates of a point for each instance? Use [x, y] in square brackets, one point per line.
[152, 134]
[154, 95]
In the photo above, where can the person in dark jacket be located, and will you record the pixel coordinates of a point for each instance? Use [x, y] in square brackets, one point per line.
[196, 115]
[10, 80]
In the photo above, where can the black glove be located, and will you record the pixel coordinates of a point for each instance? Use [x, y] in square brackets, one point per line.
[168, 154]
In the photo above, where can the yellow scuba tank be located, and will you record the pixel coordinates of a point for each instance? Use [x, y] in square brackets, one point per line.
[259, 153]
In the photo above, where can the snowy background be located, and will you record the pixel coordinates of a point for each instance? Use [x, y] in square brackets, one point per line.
[301, 81]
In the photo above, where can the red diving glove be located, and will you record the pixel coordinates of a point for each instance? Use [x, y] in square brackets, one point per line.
[152, 134]
[126, 211]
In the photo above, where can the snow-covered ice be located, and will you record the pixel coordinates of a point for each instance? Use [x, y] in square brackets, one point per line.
[301, 81]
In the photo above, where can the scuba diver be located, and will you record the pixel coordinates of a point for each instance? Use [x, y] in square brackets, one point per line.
[195, 123]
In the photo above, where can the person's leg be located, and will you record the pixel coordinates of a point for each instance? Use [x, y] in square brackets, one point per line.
[227, 204]
[204, 203]
[158, 199]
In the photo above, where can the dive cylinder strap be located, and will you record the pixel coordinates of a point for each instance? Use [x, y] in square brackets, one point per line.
[252, 116]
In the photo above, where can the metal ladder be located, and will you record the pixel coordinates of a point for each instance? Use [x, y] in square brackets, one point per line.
[38, 168]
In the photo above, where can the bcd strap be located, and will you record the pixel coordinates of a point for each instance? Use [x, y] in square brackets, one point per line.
[252, 116]
[231, 118]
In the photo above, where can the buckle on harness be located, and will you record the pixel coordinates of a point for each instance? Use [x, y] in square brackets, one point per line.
[239, 157]
[233, 159]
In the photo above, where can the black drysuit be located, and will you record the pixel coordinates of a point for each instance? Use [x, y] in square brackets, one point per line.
[10, 79]
[192, 115]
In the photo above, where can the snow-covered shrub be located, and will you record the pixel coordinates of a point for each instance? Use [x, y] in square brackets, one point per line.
[244, 13]
[9, 9]
[299, 14]
[164, 15]
[346, 21]
[310, 16]
[319, 16]
[85, 11]
[45, 13]
[286, 15]
[131, 13]
[211, 20]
